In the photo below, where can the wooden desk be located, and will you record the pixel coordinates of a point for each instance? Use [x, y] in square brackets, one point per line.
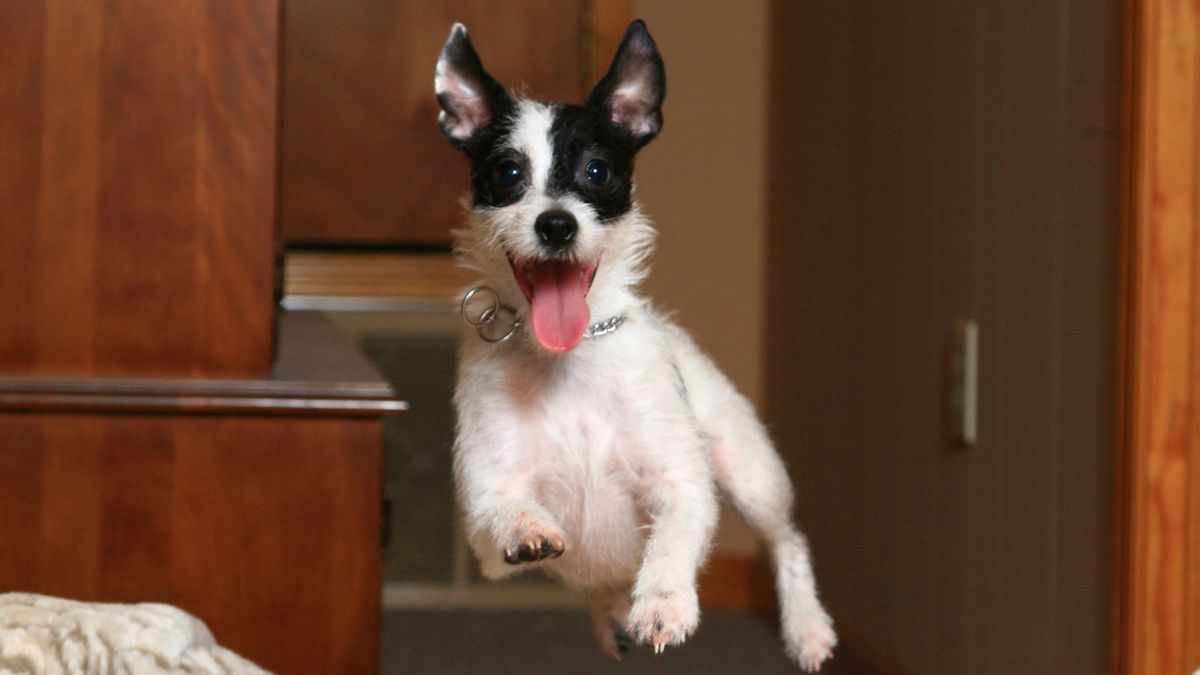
[254, 504]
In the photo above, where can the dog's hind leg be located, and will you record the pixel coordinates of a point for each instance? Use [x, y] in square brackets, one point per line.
[610, 617]
[754, 479]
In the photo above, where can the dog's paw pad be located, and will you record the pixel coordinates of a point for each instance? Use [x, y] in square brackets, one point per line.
[533, 541]
[813, 645]
[664, 618]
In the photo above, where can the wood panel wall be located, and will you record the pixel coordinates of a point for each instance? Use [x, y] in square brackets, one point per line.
[1158, 621]
[138, 187]
[363, 160]
[930, 162]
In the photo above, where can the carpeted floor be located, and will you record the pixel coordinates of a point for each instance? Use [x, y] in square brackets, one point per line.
[531, 642]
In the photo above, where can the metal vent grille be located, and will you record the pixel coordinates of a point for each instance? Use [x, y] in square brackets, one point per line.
[421, 536]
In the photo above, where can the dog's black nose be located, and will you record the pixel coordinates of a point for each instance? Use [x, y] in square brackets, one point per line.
[556, 229]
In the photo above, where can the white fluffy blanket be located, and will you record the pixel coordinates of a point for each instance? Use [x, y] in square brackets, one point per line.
[50, 636]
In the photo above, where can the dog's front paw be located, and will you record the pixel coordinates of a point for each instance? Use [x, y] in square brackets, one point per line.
[664, 617]
[533, 539]
[813, 641]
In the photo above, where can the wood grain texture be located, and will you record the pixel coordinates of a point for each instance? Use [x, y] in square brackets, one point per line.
[21, 39]
[934, 162]
[267, 529]
[1159, 620]
[363, 160]
[139, 187]
[414, 276]
[251, 503]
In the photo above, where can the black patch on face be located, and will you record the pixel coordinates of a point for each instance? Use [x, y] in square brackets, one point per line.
[487, 153]
[580, 135]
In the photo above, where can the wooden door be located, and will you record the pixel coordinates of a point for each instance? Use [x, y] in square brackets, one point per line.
[1158, 559]
[933, 162]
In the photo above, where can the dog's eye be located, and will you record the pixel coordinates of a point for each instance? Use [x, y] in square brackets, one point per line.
[596, 172]
[508, 173]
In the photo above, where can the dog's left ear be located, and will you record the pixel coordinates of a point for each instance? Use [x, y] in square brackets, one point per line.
[632, 92]
[471, 100]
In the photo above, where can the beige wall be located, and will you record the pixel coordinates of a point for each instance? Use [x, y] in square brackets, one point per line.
[701, 180]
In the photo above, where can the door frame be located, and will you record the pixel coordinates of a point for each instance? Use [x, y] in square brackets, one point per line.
[1156, 608]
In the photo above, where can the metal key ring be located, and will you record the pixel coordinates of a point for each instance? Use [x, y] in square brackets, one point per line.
[489, 315]
[512, 328]
[485, 317]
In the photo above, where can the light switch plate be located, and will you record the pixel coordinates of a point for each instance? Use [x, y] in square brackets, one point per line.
[964, 389]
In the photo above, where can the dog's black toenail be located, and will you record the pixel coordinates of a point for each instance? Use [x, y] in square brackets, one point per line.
[546, 548]
[623, 639]
[559, 552]
[511, 558]
[624, 642]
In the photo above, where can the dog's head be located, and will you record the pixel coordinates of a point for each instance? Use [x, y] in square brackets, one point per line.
[554, 225]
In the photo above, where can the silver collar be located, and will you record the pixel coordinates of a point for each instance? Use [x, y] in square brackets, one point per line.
[495, 321]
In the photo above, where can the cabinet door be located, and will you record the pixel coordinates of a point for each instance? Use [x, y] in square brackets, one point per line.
[363, 160]
[138, 187]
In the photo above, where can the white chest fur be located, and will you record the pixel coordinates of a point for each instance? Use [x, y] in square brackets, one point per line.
[586, 437]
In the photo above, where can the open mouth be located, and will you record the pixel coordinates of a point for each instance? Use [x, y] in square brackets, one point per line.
[557, 293]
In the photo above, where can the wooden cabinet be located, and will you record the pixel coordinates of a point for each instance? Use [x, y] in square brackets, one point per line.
[163, 438]
[253, 504]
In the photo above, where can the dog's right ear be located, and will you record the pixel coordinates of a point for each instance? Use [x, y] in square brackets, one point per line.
[632, 92]
[471, 99]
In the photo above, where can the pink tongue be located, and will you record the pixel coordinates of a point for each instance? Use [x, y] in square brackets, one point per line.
[560, 312]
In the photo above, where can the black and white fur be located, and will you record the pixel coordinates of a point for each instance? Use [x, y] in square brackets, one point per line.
[599, 459]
